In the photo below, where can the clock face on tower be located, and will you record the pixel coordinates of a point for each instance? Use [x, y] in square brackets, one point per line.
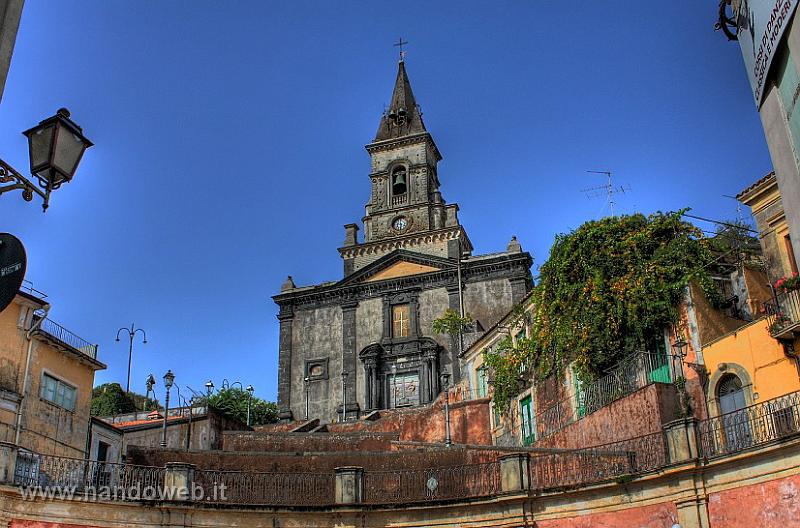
[400, 223]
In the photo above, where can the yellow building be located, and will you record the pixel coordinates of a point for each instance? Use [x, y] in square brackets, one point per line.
[757, 362]
[46, 379]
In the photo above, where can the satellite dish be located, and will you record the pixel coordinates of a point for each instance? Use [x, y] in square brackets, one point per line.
[12, 268]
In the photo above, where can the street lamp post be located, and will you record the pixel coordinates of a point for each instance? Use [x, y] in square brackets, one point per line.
[306, 381]
[446, 387]
[250, 391]
[55, 147]
[132, 331]
[169, 379]
[209, 388]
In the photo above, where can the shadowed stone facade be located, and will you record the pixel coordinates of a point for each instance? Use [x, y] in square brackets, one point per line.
[370, 333]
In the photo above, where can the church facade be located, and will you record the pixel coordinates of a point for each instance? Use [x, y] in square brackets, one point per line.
[365, 342]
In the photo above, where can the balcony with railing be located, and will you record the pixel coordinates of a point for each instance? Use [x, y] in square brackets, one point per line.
[783, 314]
[633, 373]
[63, 338]
[753, 426]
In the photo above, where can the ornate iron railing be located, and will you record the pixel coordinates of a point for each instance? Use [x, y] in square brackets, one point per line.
[600, 463]
[421, 485]
[35, 470]
[783, 314]
[275, 489]
[750, 427]
[55, 330]
[634, 373]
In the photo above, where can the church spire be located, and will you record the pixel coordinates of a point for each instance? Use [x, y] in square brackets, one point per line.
[403, 117]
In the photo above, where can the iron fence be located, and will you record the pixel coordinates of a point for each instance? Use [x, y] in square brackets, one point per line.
[750, 427]
[421, 485]
[634, 373]
[274, 489]
[600, 463]
[55, 330]
[80, 475]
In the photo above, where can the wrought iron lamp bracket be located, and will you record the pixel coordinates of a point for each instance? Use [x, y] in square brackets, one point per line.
[17, 181]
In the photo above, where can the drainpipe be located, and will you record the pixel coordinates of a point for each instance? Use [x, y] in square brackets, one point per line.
[29, 336]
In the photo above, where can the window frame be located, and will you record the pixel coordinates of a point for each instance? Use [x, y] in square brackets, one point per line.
[405, 323]
[64, 394]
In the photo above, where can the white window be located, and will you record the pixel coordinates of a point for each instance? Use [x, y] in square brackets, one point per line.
[56, 391]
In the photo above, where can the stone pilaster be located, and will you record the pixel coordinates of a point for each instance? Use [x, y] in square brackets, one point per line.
[349, 485]
[515, 472]
[179, 481]
[451, 359]
[350, 355]
[285, 317]
[681, 436]
[519, 289]
[693, 513]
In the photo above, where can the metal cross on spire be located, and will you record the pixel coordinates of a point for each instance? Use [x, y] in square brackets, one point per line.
[399, 44]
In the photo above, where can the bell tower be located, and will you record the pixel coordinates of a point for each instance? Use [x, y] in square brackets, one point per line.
[406, 208]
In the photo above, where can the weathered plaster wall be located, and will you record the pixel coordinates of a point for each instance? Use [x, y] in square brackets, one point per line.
[317, 334]
[662, 515]
[771, 504]
[369, 329]
[488, 301]
[641, 413]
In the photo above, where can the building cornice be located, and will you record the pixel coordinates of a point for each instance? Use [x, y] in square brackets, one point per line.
[391, 144]
[505, 265]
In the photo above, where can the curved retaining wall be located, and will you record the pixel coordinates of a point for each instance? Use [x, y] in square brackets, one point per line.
[758, 488]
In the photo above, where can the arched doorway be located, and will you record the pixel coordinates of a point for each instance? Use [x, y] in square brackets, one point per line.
[733, 412]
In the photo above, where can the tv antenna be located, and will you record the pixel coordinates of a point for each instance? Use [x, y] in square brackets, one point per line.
[608, 190]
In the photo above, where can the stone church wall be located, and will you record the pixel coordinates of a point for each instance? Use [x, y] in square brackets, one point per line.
[488, 301]
[317, 335]
[369, 315]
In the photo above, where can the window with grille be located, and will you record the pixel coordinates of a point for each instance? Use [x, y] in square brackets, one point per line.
[400, 320]
[56, 391]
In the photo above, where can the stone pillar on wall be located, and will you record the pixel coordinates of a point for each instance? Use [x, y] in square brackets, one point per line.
[349, 354]
[349, 485]
[681, 437]
[693, 513]
[285, 317]
[519, 289]
[8, 462]
[515, 472]
[179, 481]
[452, 361]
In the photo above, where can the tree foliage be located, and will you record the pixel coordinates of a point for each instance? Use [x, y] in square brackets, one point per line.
[451, 323]
[608, 289]
[110, 399]
[232, 402]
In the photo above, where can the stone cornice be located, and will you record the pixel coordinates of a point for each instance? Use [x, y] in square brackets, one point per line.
[400, 242]
[390, 144]
[509, 265]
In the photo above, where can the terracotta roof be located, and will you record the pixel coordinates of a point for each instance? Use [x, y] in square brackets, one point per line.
[760, 182]
[403, 117]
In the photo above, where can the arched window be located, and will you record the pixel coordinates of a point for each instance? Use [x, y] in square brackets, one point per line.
[399, 181]
[730, 394]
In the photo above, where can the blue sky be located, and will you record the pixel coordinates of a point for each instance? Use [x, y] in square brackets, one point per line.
[229, 146]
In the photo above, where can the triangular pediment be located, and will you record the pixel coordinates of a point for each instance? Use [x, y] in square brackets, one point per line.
[401, 269]
[397, 264]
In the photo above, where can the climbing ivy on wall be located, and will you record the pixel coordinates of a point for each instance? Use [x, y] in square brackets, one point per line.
[608, 289]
